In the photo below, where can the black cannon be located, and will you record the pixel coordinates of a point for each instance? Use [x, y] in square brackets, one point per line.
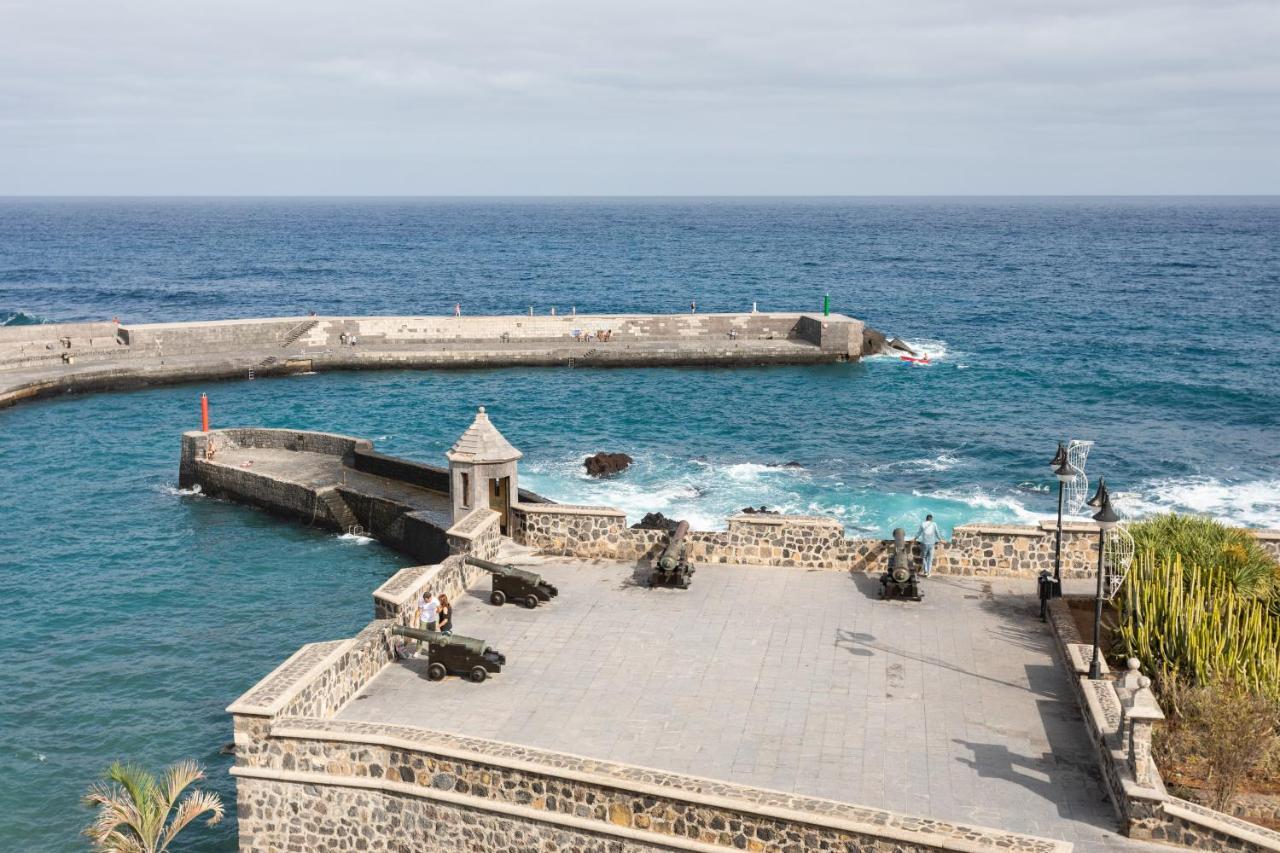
[901, 579]
[447, 653]
[512, 584]
[671, 566]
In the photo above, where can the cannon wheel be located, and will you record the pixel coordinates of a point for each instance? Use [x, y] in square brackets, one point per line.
[478, 674]
[436, 671]
[531, 601]
[498, 598]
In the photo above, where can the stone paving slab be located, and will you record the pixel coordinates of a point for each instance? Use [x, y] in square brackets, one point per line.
[801, 681]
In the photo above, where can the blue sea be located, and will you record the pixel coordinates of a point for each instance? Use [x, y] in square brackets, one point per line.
[132, 614]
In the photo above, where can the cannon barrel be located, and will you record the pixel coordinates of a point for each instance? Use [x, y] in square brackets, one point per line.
[420, 634]
[670, 557]
[489, 566]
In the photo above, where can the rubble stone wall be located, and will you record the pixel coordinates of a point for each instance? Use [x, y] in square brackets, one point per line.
[315, 776]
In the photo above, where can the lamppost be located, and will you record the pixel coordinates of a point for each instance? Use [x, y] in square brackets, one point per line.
[1106, 519]
[1065, 473]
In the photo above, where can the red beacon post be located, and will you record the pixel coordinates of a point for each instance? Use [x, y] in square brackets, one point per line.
[204, 412]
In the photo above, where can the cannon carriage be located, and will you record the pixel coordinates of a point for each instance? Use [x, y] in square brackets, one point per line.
[450, 654]
[902, 579]
[513, 584]
[672, 567]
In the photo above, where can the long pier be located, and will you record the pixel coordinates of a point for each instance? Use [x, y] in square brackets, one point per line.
[44, 360]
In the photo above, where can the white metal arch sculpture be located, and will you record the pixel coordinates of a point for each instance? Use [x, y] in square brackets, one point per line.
[1077, 490]
[1117, 548]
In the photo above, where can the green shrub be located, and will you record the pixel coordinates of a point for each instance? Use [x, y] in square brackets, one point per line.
[1192, 624]
[1200, 541]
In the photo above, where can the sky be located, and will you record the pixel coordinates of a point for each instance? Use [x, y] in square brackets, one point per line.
[578, 97]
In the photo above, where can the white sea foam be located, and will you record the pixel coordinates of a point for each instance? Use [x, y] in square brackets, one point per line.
[1255, 503]
[938, 350]
[944, 461]
[355, 538]
[994, 507]
[174, 491]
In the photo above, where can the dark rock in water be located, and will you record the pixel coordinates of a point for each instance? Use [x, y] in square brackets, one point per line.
[873, 342]
[228, 748]
[604, 464]
[901, 346]
[655, 521]
[763, 510]
[791, 464]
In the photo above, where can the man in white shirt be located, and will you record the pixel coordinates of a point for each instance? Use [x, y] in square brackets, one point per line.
[928, 535]
[430, 611]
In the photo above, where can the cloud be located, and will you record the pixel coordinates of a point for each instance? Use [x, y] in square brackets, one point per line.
[576, 97]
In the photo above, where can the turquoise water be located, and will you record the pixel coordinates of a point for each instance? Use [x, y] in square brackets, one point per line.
[132, 615]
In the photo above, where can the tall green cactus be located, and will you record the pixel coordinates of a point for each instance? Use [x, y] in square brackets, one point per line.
[1192, 623]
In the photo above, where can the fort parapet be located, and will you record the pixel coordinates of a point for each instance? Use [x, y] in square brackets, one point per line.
[42, 360]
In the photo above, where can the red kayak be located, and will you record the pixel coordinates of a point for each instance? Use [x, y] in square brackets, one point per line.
[922, 360]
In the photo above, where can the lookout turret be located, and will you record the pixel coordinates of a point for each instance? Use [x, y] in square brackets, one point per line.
[482, 471]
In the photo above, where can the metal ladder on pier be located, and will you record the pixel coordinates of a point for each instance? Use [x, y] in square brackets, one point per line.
[340, 513]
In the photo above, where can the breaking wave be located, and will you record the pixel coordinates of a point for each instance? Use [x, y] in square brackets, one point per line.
[21, 318]
[1254, 503]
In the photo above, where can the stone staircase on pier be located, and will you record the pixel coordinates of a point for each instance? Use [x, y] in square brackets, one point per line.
[298, 331]
[339, 512]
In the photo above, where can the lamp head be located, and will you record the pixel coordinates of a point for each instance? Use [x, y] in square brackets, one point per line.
[1064, 471]
[1101, 495]
[1106, 517]
[1059, 458]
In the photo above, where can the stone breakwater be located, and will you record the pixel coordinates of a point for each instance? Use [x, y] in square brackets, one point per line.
[340, 482]
[37, 361]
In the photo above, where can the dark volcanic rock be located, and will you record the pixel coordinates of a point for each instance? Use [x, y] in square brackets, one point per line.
[604, 464]
[791, 464]
[655, 521]
[763, 510]
[901, 346]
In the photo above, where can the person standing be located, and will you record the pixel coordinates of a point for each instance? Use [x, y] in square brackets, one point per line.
[431, 612]
[693, 307]
[457, 309]
[445, 615]
[928, 536]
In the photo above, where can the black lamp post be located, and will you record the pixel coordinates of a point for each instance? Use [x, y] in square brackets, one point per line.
[1106, 519]
[1065, 473]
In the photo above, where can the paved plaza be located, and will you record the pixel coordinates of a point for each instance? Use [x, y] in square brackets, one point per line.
[794, 680]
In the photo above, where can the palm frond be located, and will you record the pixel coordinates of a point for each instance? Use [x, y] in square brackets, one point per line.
[193, 805]
[177, 778]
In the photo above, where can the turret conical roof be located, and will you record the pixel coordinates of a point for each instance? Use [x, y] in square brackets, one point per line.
[482, 443]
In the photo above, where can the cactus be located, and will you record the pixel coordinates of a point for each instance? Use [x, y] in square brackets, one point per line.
[1192, 623]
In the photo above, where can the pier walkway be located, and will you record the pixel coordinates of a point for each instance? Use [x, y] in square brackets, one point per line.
[38, 361]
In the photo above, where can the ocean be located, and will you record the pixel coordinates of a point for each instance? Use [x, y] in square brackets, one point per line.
[1149, 326]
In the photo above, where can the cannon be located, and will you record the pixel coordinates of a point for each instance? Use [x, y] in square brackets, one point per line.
[671, 566]
[447, 653]
[901, 579]
[512, 584]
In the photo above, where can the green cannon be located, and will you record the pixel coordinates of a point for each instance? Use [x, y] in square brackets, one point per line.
[512, 584]
[450, 654]
[671, 566]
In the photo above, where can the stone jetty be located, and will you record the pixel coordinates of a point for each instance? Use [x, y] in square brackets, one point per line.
[43, 360]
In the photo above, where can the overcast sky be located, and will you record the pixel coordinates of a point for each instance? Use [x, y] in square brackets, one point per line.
[548, 97]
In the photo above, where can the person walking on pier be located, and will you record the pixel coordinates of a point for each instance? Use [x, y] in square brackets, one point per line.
[928, 535]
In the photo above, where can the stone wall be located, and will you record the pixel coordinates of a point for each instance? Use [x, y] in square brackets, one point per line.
[452, 576]
[196, 445]
[803, 542]
[301, 790]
